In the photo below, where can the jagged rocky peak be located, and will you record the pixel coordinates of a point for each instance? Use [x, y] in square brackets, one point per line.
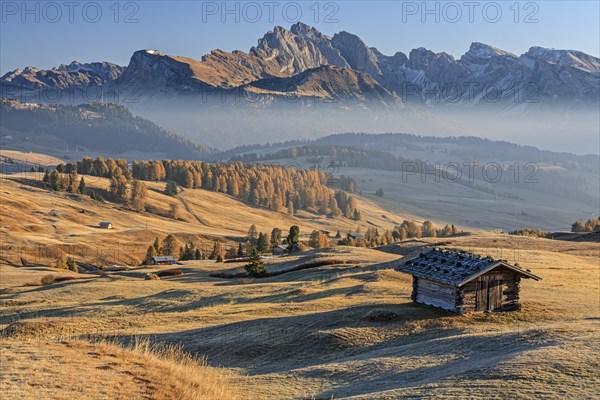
[307, 32]
[106, 70]
[296, 52]
[485, 51]
[277, 38]
[30, 70]
[358, 55]
[420, 58]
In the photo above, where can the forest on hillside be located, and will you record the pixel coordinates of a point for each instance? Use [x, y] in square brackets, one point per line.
[569, 183]
[97, 127]
[274, 187]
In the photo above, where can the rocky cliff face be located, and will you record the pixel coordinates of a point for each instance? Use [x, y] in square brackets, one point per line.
[484, 74]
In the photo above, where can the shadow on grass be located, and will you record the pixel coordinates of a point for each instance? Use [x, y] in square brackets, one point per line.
[266, 345]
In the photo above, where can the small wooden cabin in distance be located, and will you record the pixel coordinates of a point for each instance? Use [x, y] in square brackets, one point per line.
[461, 281]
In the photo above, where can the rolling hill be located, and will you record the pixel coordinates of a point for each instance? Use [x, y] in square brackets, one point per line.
[95, 128]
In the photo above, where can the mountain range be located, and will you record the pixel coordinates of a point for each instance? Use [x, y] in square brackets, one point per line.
[305, 63]
[314, 84]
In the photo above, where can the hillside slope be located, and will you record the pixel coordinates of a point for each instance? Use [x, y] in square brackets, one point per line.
[38, 224]
[89, 128]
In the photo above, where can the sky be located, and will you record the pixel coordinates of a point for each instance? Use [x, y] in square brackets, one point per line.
[49, 33]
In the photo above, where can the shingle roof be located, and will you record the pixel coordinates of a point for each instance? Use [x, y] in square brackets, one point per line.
[454, 267]
[163, 258]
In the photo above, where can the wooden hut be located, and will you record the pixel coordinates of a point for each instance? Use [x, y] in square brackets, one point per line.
[163, 260]
[462, 282]
[105, 225]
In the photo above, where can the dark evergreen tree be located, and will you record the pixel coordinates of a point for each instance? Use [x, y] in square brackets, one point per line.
[255, 267]
[171, 188]
[81, 188]
[262, 243]
[293, 237]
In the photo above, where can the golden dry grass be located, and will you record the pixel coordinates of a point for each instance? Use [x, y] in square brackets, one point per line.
[301, 334]
[306, 334]
[33, 158]
[40, 368]
[38, 224]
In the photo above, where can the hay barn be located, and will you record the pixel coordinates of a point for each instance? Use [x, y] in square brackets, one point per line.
[462, 282]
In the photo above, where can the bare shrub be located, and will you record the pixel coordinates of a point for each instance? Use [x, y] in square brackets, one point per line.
[152, 277]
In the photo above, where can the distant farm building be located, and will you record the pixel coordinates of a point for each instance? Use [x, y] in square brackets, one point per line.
[105, 225]
[462, 282]
[280, 250]
[163, 260]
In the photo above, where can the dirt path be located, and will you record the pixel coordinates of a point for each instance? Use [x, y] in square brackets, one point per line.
[189, 210]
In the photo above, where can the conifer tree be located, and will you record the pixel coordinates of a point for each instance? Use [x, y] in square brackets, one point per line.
[256, 266]
[262, 243]
[81, 189]
[170, 246]
[293, 237]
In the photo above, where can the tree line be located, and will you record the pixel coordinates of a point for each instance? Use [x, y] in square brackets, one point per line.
[270, 186]
[585, 226]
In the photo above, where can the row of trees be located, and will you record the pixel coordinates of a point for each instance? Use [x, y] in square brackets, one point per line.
[258, 242]
[263, 242]
[371, 238]
[585, 226]
[122, 187]
[271, 186]
[530, 232]
[64, 182]
[170, 246]
[410, 229]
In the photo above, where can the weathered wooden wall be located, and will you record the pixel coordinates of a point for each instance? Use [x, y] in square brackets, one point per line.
[434, 294]
[466, 298]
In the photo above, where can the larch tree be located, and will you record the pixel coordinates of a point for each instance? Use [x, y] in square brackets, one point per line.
[275, 237]
[118, 185]
[139, 193]
[252, 233]
[151, 252]
[170, 246]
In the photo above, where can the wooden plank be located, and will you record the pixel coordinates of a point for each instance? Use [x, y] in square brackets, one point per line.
[481, 296]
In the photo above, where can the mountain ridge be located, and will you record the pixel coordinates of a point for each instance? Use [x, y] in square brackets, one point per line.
[559, 76]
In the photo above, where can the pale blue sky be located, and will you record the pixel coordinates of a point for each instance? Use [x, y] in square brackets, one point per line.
[46, 34]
